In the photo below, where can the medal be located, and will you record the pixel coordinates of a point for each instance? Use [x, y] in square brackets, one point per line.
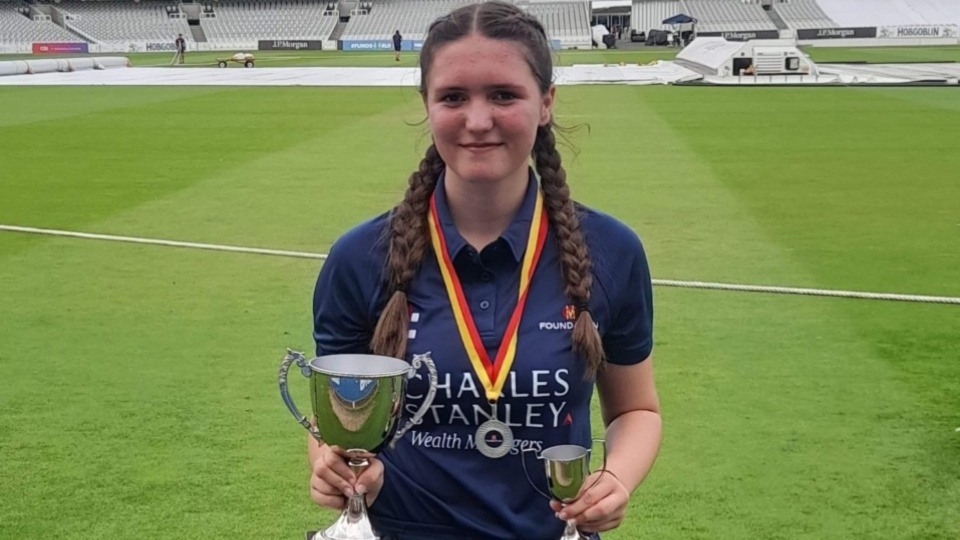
[494, 439]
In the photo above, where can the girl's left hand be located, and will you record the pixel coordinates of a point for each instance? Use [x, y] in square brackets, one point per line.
[599, 507]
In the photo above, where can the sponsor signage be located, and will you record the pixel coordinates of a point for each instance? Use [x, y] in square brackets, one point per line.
[379, 45]
[160, 47]
[837, 33]
[368, 45]
[59, 48]
[920, 31]
[289, 45]
[745, 35]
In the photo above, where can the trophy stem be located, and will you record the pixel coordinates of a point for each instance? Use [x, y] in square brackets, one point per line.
[353, 523]
[358, 464]
[571, 533]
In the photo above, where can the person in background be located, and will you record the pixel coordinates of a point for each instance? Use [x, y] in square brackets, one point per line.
[527, 302]
[181, 46]
[397, 43]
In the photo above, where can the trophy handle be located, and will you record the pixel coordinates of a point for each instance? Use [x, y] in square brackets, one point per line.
[526, 472]
[291, 357]
[418, 360]
[603, 466]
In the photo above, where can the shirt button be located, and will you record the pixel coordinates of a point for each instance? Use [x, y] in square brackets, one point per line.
[484, 305]
[486, 276]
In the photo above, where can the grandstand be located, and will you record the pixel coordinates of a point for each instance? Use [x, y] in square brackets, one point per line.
[567, 22]
[747, 15]
[727, 15]
[227, 24]
[113, 21]
[276, 19]
[411, 17]
[891, 12]
[19, 25]
[799, 14]
[649, 14]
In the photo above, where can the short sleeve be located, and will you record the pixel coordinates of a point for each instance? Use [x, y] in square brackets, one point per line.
[629, 338]
[345, 295]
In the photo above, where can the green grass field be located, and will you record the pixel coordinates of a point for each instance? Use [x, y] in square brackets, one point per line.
[138, 383]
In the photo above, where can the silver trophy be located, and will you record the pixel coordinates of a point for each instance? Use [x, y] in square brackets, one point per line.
[356, 400]
[567, 467]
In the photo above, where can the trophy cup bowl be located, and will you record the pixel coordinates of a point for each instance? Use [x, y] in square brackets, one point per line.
[567, 467]
[356, 400]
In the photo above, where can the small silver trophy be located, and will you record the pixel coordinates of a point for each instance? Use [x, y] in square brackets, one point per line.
[567, 468]
[356, 400]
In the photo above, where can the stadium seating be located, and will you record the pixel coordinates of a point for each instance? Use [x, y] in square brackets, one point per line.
[727, 15]
[567, 22]
[938, 11]
[803, 14]
[645, 16]
[411, 17]
[18, 28]
[115, 21]
[891, 12]
[277, 19]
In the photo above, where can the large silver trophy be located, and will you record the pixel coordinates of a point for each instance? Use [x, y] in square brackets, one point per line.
[567, 468]
[356, 400]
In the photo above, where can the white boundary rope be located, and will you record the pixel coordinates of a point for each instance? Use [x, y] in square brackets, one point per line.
[808, 292]
[659, 282]
[156, 242]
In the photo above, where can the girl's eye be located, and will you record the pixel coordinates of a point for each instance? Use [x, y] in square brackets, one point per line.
[504, 96]
[452, 98]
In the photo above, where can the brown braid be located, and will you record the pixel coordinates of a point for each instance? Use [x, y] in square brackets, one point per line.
[574, 255]
[409, 239]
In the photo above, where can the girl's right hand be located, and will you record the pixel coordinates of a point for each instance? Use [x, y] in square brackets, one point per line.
[332, 481]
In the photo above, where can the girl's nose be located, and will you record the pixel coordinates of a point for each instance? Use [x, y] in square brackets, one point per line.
[479, 116]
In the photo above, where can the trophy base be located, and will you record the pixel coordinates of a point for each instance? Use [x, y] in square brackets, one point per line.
[353, 524]
[319, 535]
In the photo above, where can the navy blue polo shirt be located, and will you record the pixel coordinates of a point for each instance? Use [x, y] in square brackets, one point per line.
[436, 484]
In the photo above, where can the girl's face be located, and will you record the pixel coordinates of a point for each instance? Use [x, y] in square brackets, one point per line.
[484, 106]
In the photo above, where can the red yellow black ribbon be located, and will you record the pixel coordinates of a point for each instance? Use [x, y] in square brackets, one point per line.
[492, 373]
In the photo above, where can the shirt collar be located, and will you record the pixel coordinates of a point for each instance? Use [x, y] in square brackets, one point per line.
[515, 236]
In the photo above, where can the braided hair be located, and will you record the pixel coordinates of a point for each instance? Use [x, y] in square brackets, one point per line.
[409, 235]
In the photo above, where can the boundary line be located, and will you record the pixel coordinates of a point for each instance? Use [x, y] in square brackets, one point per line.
[659, 282]
[159, 242]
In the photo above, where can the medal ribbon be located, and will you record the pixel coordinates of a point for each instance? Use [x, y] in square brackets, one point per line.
[492, 373]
